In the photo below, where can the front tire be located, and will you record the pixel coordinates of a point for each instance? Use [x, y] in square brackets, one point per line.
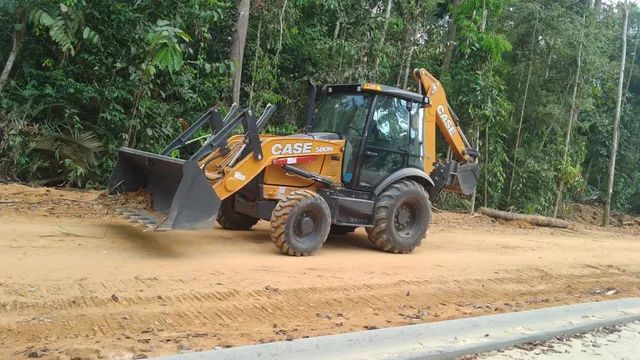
[402, 216]
[300, 223]
[230, 219]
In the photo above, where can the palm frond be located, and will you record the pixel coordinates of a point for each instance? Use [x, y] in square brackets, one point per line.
[81, 147]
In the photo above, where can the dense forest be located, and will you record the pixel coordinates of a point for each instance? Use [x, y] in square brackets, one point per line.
[535, 83]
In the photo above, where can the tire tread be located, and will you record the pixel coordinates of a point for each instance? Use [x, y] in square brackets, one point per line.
[280, 216]
[379, 235]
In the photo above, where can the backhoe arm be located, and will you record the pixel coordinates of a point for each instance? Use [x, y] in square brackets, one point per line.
[461, 173]
[445, 118]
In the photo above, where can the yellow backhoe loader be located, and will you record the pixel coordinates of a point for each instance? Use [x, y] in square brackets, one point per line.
[367, 159]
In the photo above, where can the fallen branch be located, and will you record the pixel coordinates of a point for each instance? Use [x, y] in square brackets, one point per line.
[531, 219]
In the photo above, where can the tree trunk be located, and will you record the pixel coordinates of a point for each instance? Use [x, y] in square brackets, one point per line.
[546, 71]
[531, 219]
[448, 53]
[485, 13]
[279, 46]
[472, 207]
[17, 41]
[254, 67]
[387, 14]
[341, 54]
[572, 118]
[616, 121]
[486, 161]
[336, 32]
[238, 41]
[405, 52]
[451, 39]
[407, 67]
[524, 104]
[401, 71]
[483, 26]
[633, 61]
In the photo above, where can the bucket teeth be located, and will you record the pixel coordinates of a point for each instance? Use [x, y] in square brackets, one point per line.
[141, 217]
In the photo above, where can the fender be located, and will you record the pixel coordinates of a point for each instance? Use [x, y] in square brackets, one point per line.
[401, 174]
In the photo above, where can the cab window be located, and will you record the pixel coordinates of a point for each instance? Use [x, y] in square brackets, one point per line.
[344, 114]
[386, 147]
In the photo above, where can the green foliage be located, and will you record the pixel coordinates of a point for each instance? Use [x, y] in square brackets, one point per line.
[64, 24]
[114, 73]
[164, 41]
[452, 202]
[12, 141]
[74, 152]
[76, 146]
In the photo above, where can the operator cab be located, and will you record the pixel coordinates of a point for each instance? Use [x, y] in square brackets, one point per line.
[383, 129]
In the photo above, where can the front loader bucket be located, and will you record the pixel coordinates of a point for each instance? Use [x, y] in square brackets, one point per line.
[179, 188]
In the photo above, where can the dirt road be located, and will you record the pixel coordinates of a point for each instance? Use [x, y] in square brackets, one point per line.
[77, 283]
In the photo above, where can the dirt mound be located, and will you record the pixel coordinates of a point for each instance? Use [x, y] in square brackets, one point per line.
[132, 200]
[460, 220]
[592, 215]
[28, 193]
[17, 200]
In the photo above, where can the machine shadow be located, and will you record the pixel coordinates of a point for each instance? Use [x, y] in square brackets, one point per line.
[356, 240]
[149, 243]
[349, 241]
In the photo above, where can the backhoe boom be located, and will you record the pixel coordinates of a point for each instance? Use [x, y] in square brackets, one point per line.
[461, 174]
[444, 117]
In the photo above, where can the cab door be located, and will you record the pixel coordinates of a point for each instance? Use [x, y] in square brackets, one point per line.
[386, 147]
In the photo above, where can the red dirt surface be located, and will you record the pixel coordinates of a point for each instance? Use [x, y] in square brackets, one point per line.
[78, 282]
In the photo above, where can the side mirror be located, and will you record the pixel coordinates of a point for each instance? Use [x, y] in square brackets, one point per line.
[311, 104]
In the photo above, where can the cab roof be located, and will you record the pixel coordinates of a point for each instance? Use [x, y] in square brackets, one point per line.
[375, 89]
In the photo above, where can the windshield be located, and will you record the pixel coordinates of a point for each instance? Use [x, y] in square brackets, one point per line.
[342, 113]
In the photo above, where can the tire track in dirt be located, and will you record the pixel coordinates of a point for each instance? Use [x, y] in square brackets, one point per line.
[178, 291]
[257, 310]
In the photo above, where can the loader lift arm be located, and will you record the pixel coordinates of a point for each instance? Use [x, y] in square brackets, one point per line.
[179, 188]
[236, 176]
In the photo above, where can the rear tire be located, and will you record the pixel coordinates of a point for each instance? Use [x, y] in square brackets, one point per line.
[230, 219]
[300, 223]
[401, 218]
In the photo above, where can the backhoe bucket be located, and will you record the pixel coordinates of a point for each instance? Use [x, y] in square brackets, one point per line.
[179, 188]
[468, 175]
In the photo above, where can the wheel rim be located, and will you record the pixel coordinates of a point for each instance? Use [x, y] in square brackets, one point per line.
[405, 219]
[305, 225]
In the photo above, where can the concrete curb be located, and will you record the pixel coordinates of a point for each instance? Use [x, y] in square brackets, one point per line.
[440, 340]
